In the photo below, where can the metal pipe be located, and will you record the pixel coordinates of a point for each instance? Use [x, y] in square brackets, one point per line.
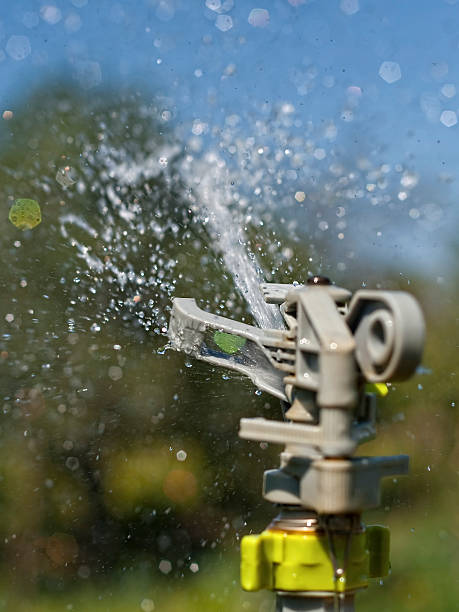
[297, 603]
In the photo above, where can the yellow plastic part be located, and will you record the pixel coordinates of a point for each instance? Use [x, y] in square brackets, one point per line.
[380, 389]
[286, 561]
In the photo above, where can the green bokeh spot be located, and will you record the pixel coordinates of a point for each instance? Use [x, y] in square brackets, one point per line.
[228, 342]
[25, 214]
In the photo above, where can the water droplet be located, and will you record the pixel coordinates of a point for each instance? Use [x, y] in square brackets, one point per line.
[147, 605]
[72, 463]
[448, 118]
[300, 196]
[390, 72]
[18, 47]
[349, 7]
[259, 18]
[224, 23]
[64, 177]
[51, 14]
[84, 571]
[213, 5]
[448, 90]
[181, 455]
[165, 566]
[115, 372]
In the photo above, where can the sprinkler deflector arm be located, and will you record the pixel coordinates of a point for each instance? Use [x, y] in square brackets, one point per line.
[192, 330]
[333, 345]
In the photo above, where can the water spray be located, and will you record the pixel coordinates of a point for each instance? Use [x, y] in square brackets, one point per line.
[327, 365]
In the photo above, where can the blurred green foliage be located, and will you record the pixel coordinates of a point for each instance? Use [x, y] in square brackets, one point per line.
[121, 473]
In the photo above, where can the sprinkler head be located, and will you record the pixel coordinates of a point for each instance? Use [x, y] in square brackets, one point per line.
[319, 365]
[332, 344]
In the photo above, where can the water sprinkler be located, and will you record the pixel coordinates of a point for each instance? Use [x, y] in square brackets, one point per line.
[327, 366]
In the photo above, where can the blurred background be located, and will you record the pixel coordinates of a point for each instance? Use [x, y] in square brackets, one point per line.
[195, 149]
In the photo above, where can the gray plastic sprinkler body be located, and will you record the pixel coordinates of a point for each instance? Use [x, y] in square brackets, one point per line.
[317, 553]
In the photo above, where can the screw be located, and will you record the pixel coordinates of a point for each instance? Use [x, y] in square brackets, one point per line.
[318, 280]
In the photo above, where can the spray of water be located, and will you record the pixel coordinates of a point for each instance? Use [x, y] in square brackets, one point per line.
[227, 232]
[212, 190]
[122, 220]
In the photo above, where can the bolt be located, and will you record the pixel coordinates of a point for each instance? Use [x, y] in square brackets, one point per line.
[318, 280]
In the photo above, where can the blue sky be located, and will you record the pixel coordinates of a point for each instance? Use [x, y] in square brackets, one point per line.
[391, 67]
[160, 43]
[309, 54]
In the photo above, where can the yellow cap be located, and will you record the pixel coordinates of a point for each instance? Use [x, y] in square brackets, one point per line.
[286, 561]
